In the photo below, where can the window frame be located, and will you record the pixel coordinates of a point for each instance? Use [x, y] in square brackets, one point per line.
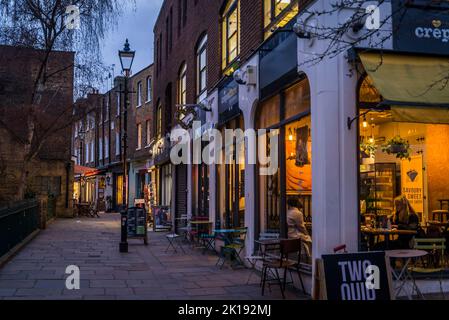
[201, 49]
[149, 89]
[182, 85]
[139, 136]
[148, 131]
[276, 18]
[139, 94]
[234, 6]
[159, 121]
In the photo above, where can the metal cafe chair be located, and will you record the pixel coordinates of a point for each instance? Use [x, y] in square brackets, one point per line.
[288, 248]
[435, 261]
[233, 249]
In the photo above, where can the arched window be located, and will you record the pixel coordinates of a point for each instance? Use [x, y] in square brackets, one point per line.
[230, 33]
[201, 68]
[182, 85]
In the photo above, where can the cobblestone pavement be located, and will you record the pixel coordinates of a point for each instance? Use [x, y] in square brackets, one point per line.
[146, 272]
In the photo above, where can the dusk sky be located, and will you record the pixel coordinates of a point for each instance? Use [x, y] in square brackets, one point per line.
[136, 24]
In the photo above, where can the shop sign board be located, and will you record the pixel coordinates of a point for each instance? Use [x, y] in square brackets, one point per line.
[278, 62]
[228, 101]
[412, 182]
[421, 27]
[354, 276]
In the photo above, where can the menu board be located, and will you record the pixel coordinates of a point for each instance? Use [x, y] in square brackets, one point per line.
[137, 223]
[355, 276]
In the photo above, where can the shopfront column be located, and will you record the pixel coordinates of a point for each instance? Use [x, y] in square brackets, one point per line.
[335, 218]
[248, 101]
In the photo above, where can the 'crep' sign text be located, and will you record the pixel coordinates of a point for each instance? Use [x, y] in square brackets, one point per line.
[435, 33]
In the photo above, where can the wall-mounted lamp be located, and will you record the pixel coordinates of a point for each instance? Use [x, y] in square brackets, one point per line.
[290, 134]
[365, 123]
[379, 108]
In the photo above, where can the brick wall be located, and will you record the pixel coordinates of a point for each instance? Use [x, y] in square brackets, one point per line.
[140, 114]
[203, 17]
[18, 70]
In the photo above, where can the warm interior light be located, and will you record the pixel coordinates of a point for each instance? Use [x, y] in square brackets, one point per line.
[290, 134]
[365, 123]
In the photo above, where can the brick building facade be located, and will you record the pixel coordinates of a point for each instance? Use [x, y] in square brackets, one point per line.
[50, 171]
[140, 126]
[178, 32]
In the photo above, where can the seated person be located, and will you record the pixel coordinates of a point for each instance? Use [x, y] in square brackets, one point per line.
[405, 218]
[296, 225]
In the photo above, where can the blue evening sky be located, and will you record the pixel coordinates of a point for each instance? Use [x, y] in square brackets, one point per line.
[136, 24]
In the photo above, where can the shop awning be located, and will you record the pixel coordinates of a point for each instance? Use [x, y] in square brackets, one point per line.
[409, 80]
[80, 170]
[87, 171]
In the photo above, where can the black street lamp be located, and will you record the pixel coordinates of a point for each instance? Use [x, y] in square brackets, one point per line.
[126, 60]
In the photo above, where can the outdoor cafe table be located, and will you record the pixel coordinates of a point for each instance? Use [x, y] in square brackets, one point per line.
[403, 277]
[198, 223]
[387, 233]
[227, 234]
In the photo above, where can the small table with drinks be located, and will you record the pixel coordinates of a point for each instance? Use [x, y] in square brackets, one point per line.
[387, 233]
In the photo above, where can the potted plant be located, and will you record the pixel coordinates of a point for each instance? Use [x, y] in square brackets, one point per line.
[399, 147]
[368, 148]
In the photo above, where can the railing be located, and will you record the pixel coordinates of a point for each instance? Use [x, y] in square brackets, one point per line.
[17, 222]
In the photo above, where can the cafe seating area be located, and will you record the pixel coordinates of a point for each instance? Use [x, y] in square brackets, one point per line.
[88, 209]
[275, 263]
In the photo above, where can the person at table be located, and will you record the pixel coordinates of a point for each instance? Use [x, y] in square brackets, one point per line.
[405, 218]
[296, 224]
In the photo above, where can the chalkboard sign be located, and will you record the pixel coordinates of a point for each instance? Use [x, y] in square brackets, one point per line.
[355, 276]
[137, 223]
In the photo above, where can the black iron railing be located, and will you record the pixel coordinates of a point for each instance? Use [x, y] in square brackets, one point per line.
[17, 222]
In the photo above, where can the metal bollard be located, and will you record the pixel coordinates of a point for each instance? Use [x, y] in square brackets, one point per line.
[124, 230]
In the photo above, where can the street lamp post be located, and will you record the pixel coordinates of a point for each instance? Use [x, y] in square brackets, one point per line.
[81, 136]
[126, 60]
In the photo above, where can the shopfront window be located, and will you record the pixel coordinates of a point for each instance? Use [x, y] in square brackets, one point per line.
[119, 190]
[200, 190]
[231, 180]
[165, 185]
[287, 116]
[403, 155]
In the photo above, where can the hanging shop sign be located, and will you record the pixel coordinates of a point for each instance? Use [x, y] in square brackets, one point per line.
[420, 27]
[354, 276]
[228, 101]
[413, 182]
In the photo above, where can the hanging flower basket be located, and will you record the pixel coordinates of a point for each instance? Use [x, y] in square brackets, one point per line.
[399, 147]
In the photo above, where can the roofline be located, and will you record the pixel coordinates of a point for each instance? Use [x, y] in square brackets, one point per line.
[142, 70]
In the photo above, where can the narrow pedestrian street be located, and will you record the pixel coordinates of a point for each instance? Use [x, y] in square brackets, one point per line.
[148, 273]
